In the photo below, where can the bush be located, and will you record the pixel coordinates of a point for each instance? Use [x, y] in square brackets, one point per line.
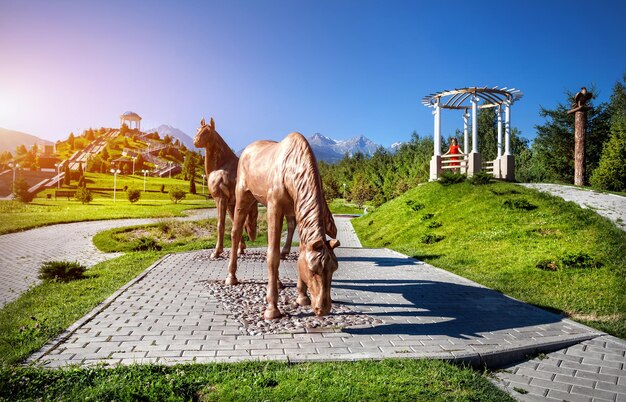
[519, 204]
[480, 178]
[434, 225]
[20, 191]
[133, 195]
[431, 238]
[63, 271]
[426, 217]
[570, 261]
[415, 206]
[447, 178]
[176, 195]
[83, 195]
[147, 244]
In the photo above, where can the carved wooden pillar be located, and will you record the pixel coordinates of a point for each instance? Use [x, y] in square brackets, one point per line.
[580, 127]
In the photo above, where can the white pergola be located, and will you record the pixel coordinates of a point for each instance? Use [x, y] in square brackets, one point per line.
[467, 99]
[129, 118]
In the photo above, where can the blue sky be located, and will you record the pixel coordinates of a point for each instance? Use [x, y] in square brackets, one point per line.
[263, 69]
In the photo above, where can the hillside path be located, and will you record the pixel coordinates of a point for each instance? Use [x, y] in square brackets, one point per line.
[22, 253]
[611, 206]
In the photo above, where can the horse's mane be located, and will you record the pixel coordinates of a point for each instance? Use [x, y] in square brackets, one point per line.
[301, 176]
[219, 150]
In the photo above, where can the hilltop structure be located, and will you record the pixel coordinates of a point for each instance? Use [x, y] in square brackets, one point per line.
[466, 99]
[129, 118]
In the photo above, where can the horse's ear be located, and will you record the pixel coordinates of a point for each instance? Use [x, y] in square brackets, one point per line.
[202, 122]
[315, 246]
[333, 244]
[212, 124]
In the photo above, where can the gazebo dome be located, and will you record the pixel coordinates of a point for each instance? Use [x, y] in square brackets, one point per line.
[129, 118]
[129, 113]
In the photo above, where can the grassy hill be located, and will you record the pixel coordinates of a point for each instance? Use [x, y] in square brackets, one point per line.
[526, 244]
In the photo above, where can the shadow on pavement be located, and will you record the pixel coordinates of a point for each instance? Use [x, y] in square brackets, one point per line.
[443, 308]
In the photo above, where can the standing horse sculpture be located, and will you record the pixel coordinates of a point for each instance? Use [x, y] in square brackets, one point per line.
[220, 163]
[284, 177]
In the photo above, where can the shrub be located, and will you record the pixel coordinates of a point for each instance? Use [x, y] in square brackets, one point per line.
[519, 204]
[570, 261]
[480, 178]
[63, 271]
[434, 225]
[426, 217]
[133, 195]
[176, 195]
[147, 244]
[431, 238]
[415, 206]
[447, 178]
[83, 195]
[20, 191]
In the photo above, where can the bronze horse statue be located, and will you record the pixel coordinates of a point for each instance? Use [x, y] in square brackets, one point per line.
[220, 163]
[284, 177]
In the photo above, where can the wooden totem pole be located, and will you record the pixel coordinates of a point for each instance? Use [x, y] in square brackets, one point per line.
[580, 109]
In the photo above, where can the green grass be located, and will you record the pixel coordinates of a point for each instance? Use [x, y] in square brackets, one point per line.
[482, 239]
[15, 216]
[341, 206]
[46, 310]
[396, 380]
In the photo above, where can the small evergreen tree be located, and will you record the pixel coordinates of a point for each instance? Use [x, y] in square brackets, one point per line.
[67, 180]
[20, 190]
[70, 140]
[176, 195]
[611, 172]
[133, 195]
[83, 195]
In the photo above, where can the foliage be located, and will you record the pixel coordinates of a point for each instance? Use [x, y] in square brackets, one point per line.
[570, 260]
[176, 195]
[447, 178]
[63, 271]
[133, 195]
[521, 203]
[392, 379]
[20, 190]
[481, 178]
[67, 178]
[147, 244]
[500, 250]
[83, 195]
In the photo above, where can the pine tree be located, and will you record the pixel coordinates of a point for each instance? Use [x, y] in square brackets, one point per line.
[67, 179]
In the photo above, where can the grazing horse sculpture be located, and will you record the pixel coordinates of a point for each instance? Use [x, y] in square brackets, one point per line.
[284, 177]
[220, 163]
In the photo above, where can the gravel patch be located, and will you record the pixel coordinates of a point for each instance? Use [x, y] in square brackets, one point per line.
[246, 302]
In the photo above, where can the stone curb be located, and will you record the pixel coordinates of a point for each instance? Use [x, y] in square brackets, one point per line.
[54, 343]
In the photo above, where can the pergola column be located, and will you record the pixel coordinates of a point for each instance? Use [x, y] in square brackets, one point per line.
[499, 116]
[507, 128]
[474, 124]
[435, 162]
[465, 131]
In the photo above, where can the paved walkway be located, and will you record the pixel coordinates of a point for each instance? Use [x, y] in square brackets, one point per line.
[22, 253]
[608, 205]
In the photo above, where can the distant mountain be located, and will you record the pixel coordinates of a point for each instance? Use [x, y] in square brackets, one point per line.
[330, 150]
[166, 129]
[10, 139]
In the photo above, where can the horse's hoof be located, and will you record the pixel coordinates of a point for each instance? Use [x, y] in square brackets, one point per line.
[272, 314]
[231, 280]
[303, 301]
[216, 254]
[241, 252]
[280, 285]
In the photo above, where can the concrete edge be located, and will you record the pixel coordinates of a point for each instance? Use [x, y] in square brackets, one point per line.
[64, 336]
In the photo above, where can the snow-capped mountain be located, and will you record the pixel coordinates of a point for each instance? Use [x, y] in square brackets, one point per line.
[330, 150]
[166, 129]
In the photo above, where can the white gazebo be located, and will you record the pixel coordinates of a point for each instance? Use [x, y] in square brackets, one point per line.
[129, 118]
[466, 100]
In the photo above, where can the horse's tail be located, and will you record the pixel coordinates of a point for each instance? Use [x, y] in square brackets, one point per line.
[251, 221]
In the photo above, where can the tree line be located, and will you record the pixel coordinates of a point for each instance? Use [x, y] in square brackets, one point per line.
[549, 158]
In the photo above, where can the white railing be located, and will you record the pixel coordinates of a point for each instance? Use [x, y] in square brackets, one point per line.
[460, 162]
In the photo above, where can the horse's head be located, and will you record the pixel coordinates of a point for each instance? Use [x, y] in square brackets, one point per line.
[204, 134]
[316, 264]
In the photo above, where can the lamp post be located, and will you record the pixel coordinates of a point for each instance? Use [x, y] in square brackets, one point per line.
[145, 172]
[134, 159]
[58, 166]
[15, 166]
[170, 168]
[202, 184]
[115, 173]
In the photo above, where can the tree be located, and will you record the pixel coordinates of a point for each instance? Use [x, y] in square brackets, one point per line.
[21, 150]
[83, 195]
[20, 190]
[176, 195]
[192, 184]
[362, 190]
[611, 171]
[139, 162]
[67, 180]
[70, 140]
[105, 154]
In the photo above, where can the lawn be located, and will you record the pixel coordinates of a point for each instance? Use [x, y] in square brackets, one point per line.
[396, 380]
[15, 216]
[500, 234]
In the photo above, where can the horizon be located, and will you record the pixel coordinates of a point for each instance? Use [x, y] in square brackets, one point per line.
[265, 69]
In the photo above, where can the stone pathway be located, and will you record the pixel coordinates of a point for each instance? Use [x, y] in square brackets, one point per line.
[22, 253]
[608, 205]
